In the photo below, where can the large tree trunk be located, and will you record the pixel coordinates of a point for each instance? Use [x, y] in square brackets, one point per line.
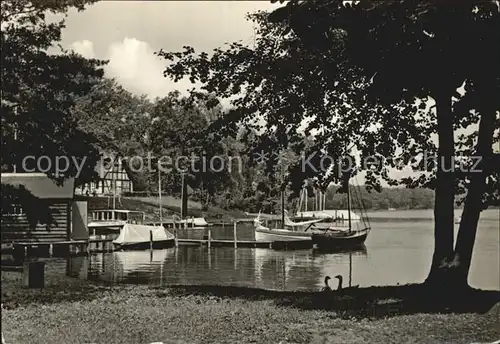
[445, 193]
[473, 203]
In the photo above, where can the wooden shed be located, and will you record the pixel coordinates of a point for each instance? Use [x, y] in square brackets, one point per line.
[14, 225]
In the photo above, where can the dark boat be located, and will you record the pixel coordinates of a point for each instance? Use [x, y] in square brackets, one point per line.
[341, 237]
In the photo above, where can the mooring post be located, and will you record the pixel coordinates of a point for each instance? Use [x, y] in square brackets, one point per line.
[51, 250]
[150, 239]
[209, 237]
[33, 275]
[234, 234]
[192, 221]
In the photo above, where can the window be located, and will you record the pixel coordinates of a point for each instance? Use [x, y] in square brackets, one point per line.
[15, 209]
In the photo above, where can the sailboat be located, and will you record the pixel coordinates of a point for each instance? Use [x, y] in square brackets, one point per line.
[340, 237]
[295, 231]
[194, 222]
[138, 236]
[328, 217]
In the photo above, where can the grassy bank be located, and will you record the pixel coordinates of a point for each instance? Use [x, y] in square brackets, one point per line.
[73, 311]
[170, 206]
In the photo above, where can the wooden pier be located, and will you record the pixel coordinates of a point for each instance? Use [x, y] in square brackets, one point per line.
[100, 245]
[62, 248]
[247, 243]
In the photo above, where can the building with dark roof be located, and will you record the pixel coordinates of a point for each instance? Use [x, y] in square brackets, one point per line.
[59, 199]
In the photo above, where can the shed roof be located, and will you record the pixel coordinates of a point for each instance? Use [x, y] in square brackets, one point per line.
[40, 185]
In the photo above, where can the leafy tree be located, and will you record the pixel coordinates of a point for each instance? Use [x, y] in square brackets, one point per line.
[39, 90]
[120, 121]
[361, 75]
[179, 132]
[418, 50]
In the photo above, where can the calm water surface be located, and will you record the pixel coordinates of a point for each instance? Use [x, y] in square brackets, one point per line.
[398, 250]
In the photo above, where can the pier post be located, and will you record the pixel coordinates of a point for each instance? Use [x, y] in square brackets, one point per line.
[234, 234]
[33, 275]
[192, 221]
[209, 237]
[150, 239]
[51, 250]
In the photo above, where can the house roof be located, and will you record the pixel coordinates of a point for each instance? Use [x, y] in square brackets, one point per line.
[40, 185]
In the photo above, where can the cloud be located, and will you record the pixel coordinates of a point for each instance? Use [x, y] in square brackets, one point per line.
[133, 64]
[84, 48]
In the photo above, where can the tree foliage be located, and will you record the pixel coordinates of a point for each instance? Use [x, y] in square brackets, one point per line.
[39, 89]
[363, 76]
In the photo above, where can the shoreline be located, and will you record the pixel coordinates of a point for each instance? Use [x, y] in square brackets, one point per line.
[211, 314]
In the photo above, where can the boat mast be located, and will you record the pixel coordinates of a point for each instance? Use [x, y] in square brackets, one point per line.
[159, 196]
[282, 197]
[348, 203]
[183, 196]
[283, 208]
[113, 181]
[350, 269]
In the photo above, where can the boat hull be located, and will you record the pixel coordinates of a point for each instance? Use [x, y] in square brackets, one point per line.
[198, 222]
[282, 235]
[333, 240]
[145, 245]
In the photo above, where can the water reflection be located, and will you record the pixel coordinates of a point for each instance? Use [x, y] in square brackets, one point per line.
[260, 268]
[395, 252]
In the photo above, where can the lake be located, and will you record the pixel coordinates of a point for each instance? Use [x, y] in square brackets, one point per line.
[398, 250]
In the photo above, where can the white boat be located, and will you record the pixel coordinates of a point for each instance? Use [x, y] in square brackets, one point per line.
[134, 236]
[279, 234]
[329, 218]
[195, 222]
[334, 215]
[113, 218]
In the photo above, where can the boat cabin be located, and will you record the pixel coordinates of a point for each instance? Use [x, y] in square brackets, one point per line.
[118, 217]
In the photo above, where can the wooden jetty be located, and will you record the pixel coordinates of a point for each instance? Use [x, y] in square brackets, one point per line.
[247, 243]
[62, 248]
[99, 245]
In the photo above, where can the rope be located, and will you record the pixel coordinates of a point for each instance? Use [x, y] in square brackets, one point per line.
[363, 204]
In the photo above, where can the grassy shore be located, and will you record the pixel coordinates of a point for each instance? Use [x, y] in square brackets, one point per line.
[170, 206]
[73, 311]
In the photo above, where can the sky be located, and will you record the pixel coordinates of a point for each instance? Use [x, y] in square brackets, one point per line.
[127, 33]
